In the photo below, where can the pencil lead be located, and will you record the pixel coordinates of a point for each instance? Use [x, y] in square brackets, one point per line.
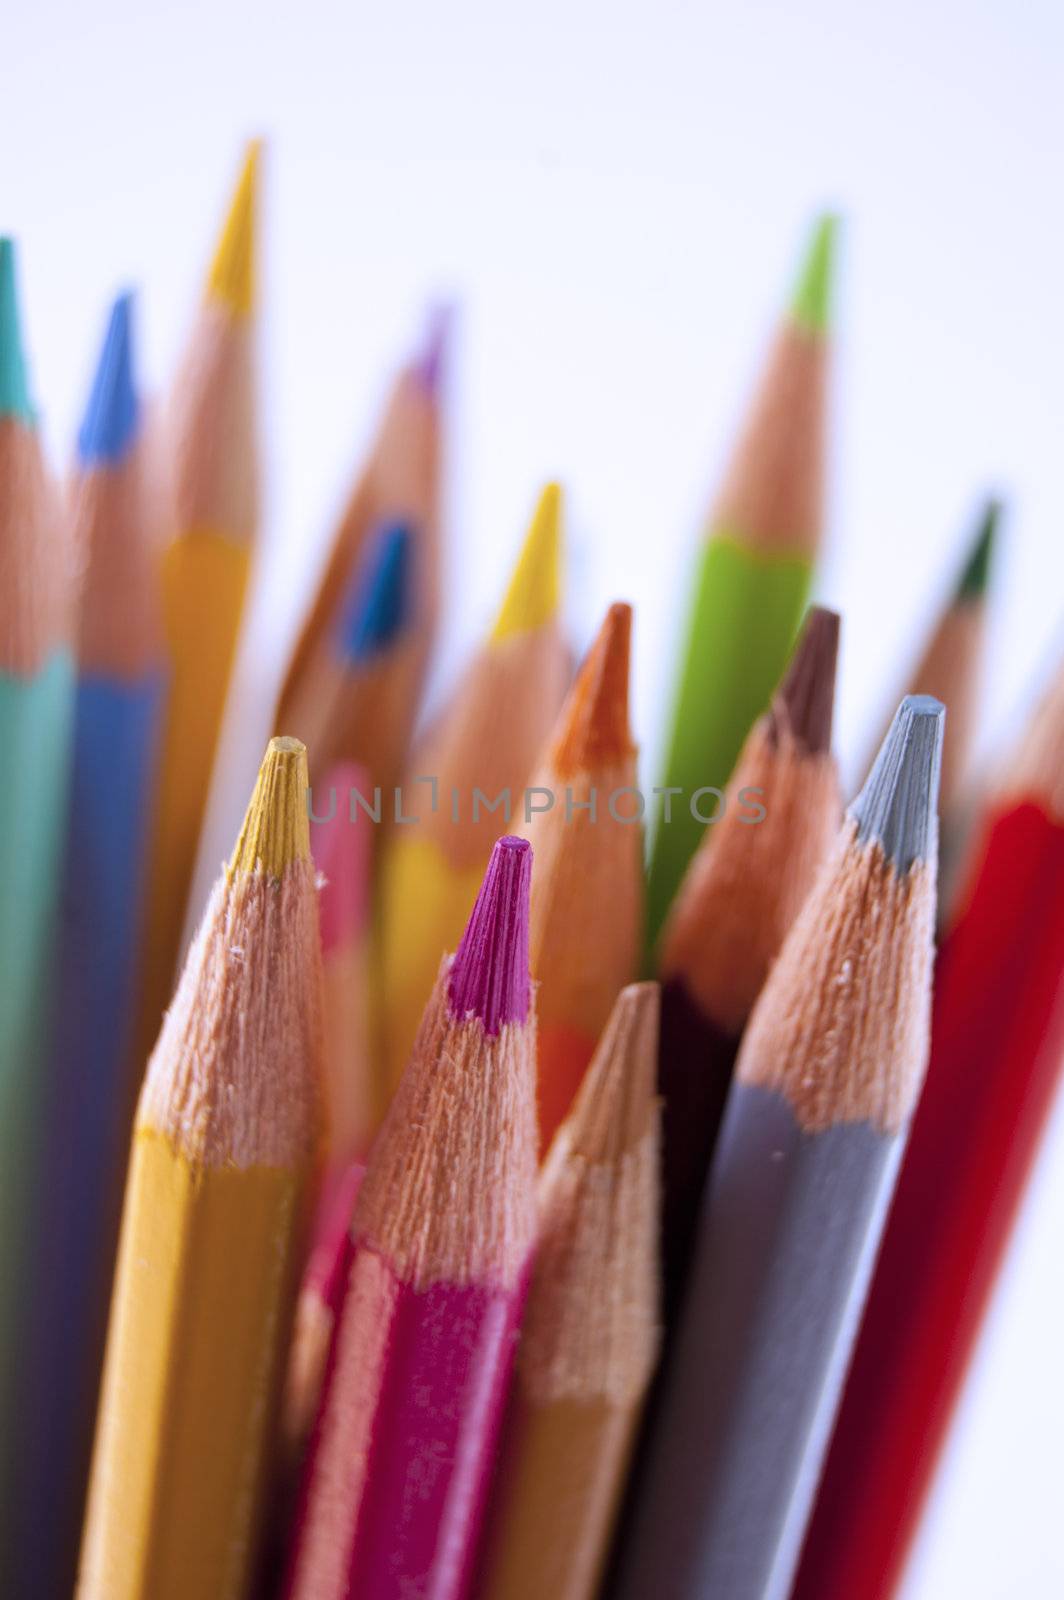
[594, 723]
[14, 388]
[615, 1104]
[807, 692]
[811, 305]
[535, 588]
[112, 414]
[489, 974]
[975, 577]
[276, 828]
[898, 805]
[380, 602]
[232, 276]
[431, 364]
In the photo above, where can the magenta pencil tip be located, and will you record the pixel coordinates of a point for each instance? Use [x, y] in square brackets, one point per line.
[489, 974]
[431, 363]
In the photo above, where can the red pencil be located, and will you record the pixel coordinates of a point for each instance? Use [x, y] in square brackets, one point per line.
[393, 1492]
[997, 1044]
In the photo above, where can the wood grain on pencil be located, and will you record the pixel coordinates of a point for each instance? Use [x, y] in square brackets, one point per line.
[225, 1149]
[589, 1338]
[587, 895]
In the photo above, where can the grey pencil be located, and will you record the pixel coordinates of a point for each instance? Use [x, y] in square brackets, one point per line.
[827, 1080]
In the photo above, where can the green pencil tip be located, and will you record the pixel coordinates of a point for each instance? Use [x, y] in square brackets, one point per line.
[14, 393]
[976, 574]
[811, 305]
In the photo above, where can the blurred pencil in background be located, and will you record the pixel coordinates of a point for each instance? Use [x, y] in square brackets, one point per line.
[997, 1049]
[481, 746]
[220, 1187]
[740, 895]
[826, 1082]
[115, 514]
[587, 894]
[395, 502]
[37, 587]
[214, 443]
[753, 574]
[590, 1334]
[398, 1468]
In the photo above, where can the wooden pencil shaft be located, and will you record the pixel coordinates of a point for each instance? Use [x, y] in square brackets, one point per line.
[791, 1221]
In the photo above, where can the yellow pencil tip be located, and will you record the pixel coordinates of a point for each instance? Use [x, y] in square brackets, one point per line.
[231, 281]
[534, 594]
[276, 830]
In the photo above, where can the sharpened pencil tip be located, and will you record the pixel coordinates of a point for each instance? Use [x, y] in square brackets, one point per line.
[14, 386]
[231, 281]
[811, 305]
[593, 727]
[431, 364]
[534, 594]
[808, 687]
[975, 577]
[489, 976]
[378, 607]
[109, 426]
[898, 805]
[616, 1102]
[276, 830]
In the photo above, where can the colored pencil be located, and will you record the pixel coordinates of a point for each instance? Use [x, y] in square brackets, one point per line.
[397, 488]
[997, 1048]
[950, 667]
[587, 897]
[119, 692]
[360, 701]
[340, 846]
[397, 1471]
[321, 1295]
[36, 706]
[827, 1078]
[740, 895]
[225, 1148]
[214, 443]
[753, 574]
[590, 1334]
[483, 745]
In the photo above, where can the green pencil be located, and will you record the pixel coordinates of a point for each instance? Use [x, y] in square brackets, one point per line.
[36, 703]
[752, 577]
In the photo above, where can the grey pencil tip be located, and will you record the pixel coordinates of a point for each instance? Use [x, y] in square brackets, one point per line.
[898, 805]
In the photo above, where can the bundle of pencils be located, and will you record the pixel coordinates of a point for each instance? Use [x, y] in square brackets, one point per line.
[440, 1243]
[997, 1048]
[825, 1086]
[220, 1186]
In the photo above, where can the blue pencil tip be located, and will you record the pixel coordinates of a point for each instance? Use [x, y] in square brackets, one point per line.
[113, 412]
[378, 602]
[14, 389]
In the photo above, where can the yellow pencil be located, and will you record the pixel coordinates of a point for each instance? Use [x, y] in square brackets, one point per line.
[213, 433]
[482, 747]
[225, 1148]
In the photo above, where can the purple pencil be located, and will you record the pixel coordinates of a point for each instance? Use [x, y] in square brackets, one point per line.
[394, 1486]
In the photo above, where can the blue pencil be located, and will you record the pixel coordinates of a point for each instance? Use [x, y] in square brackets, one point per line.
[118, 703]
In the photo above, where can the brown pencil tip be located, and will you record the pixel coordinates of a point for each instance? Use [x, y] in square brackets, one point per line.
[593, 726]
[807, 693]
[615, 1105]
[276, 830]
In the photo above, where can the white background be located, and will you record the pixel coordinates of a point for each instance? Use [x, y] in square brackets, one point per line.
[615, 195]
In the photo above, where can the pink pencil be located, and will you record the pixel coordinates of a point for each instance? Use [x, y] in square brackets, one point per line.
[393, 1491]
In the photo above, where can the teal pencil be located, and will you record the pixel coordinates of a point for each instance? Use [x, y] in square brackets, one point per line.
[36, 703]
[751, 580]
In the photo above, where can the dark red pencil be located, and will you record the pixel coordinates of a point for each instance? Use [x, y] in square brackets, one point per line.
[997, 1046]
